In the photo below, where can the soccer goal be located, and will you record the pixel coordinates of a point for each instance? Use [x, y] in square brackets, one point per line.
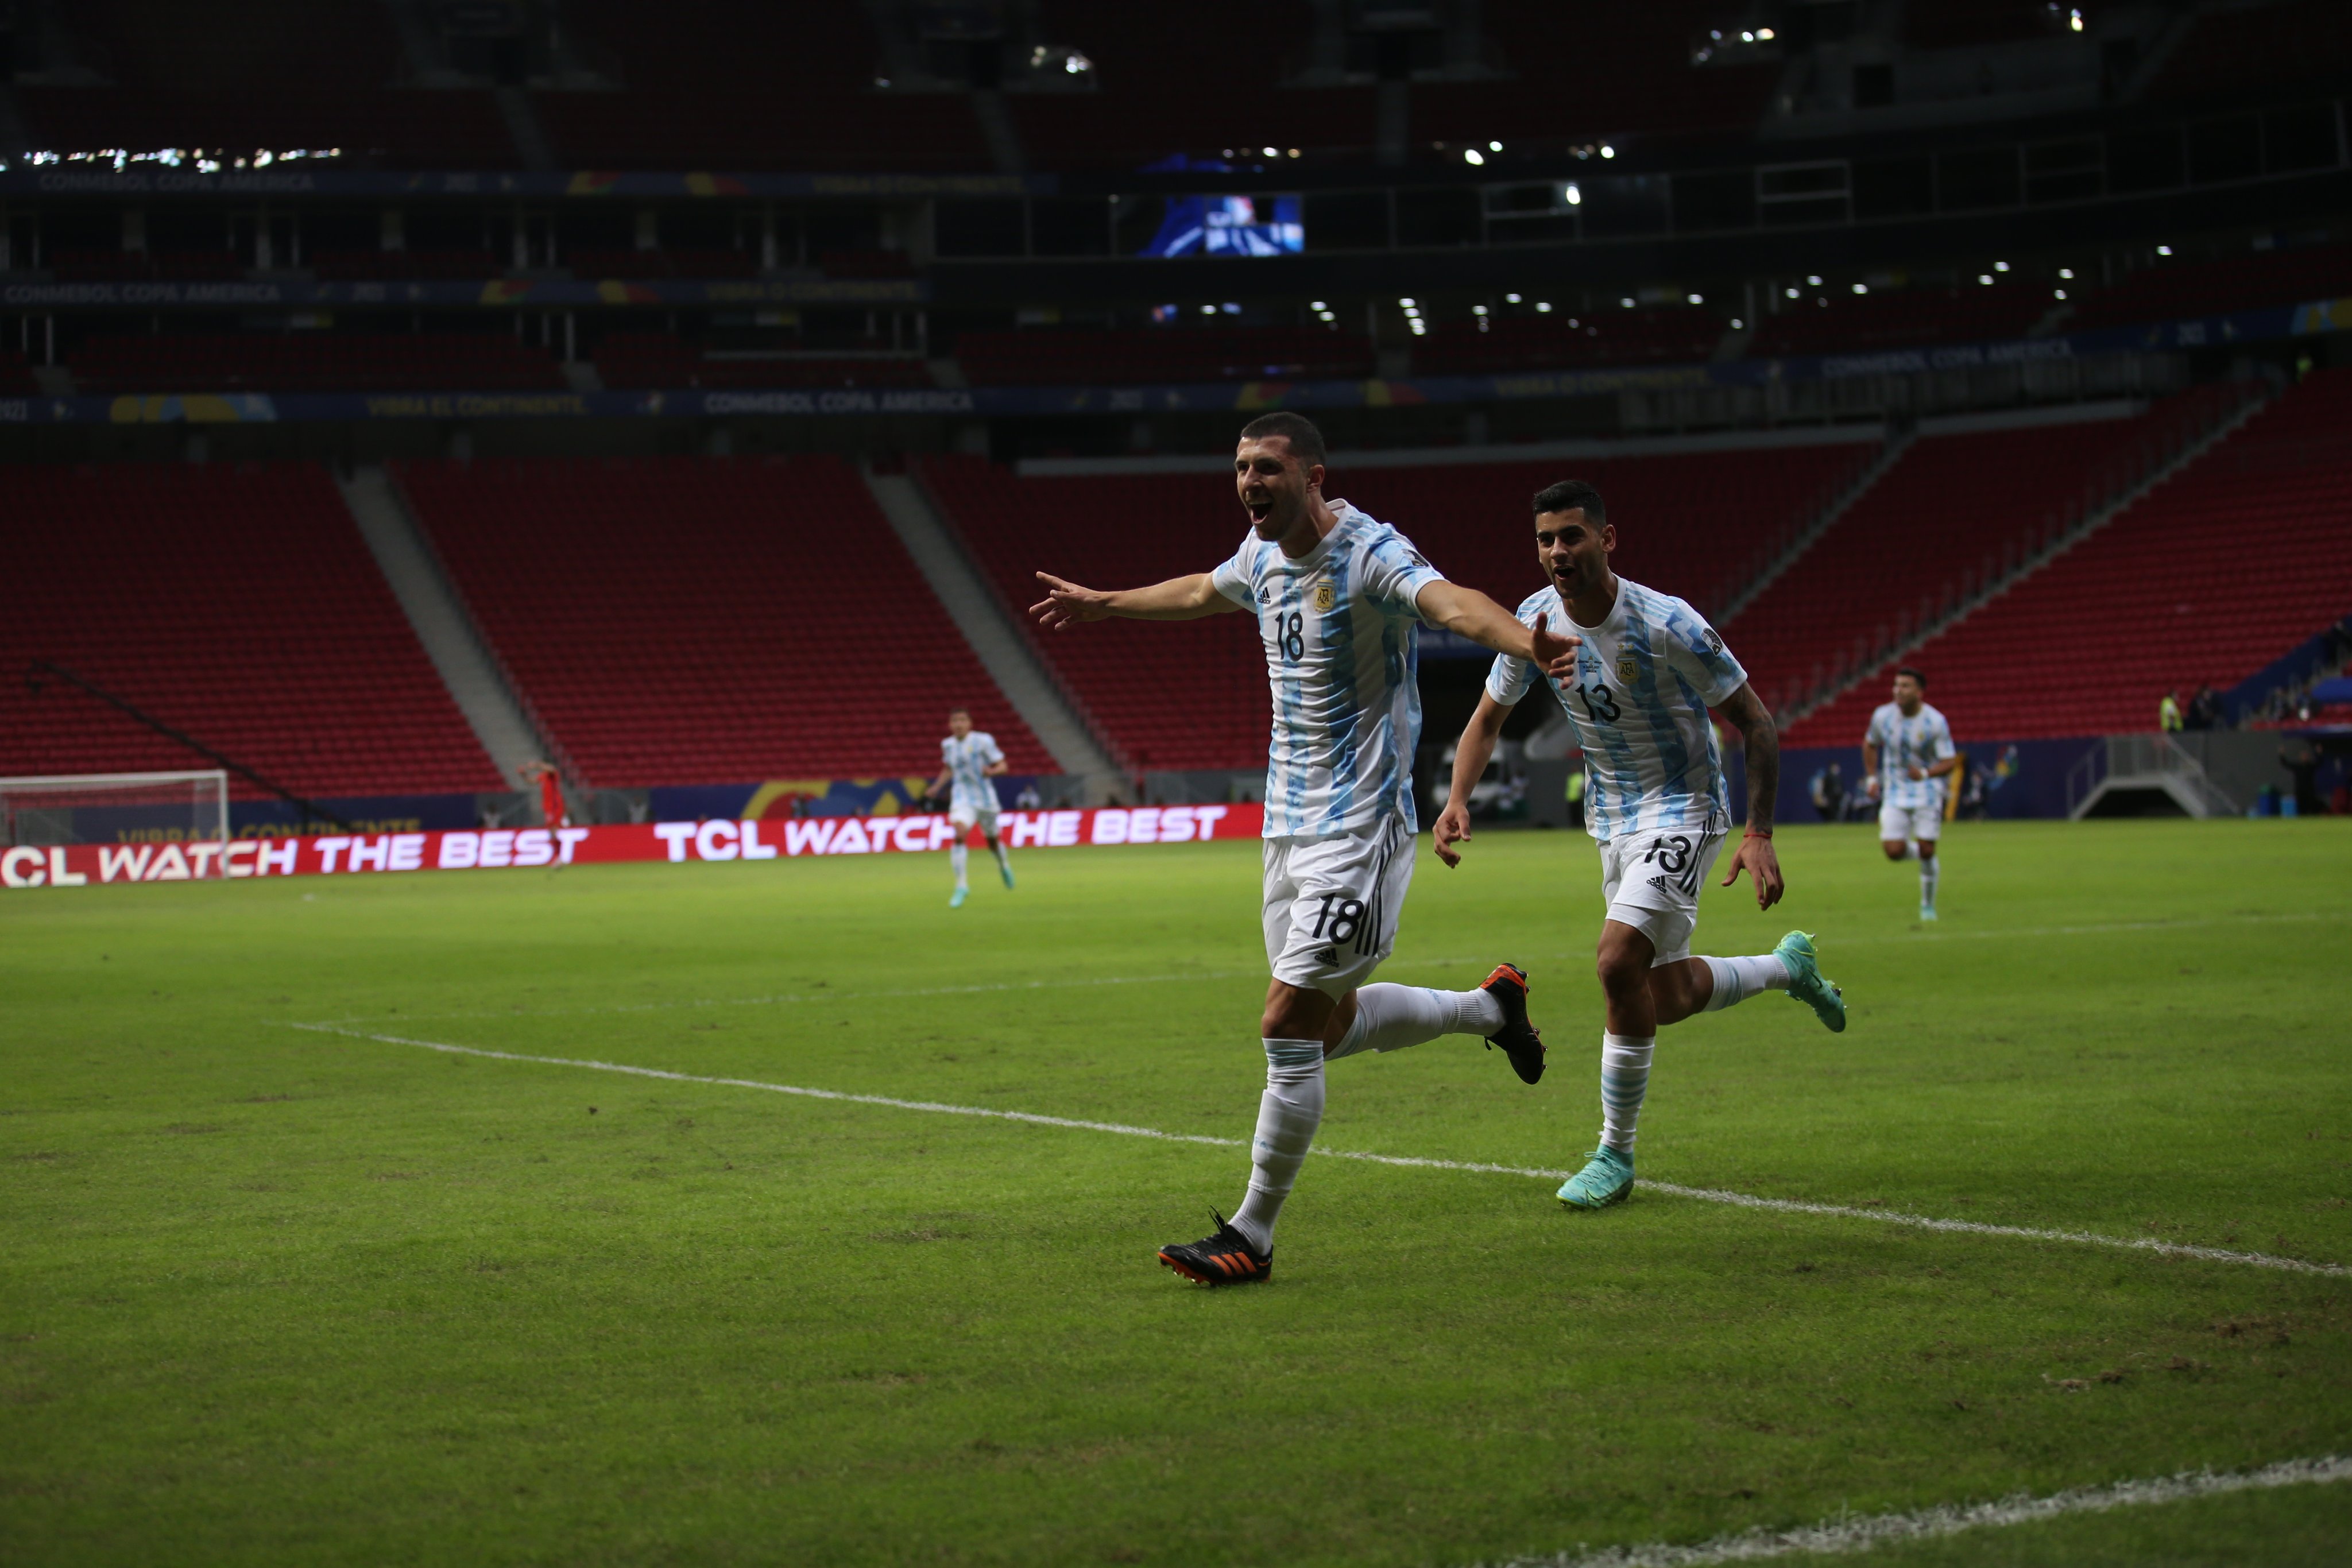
[115, 808]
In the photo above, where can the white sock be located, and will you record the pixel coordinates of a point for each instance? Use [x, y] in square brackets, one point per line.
[1390, 1017]
[1625, 1081]
[1930, 872]
[1287, 1115]
[957, 857]
[997, 849]
[1910, 849]
[1736, 979]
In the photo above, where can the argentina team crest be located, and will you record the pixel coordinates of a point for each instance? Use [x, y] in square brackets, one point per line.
[1628, 669]
[1327, 594]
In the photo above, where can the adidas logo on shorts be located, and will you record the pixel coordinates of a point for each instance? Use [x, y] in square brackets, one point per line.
[1326, 955]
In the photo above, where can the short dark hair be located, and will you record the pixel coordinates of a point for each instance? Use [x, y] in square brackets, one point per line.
[965, 711]
[1907, 670]
[1305, 440]
[1569, 496]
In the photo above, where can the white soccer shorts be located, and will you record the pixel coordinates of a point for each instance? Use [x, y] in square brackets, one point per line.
[1651, 881]
[963, 814]
[1331, 904]
[1896, 823]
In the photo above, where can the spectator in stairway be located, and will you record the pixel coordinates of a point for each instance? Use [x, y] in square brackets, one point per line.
[2301, 759]
[2167, 714]
[551, 810]
[2205, 709]
[1028, 800]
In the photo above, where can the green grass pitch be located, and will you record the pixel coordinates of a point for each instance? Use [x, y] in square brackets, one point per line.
[280, 1295]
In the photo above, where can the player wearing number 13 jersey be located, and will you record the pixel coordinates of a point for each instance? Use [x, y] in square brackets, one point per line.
[1339, 600]
[1637, 692]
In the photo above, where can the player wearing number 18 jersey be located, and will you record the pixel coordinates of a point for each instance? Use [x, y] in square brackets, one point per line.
[1638, 692]
[1338, 598]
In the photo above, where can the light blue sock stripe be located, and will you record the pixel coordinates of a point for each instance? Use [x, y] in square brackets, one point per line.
[1293, 1052]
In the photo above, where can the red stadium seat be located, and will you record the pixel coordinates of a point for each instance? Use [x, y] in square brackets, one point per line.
[239, 605]
[2234, 560]
[709, 621]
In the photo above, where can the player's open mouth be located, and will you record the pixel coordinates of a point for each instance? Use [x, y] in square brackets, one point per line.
[1260, 507]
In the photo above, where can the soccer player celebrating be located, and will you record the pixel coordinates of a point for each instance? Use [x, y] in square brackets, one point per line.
[971, 757]
[1637, 692]
[551, 809]
[1338, 598]
[1907, 751]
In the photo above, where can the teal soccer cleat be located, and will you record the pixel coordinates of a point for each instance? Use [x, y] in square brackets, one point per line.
[1008, 875]
[1808, 985]
[1926, 912]
[955, 901]
[1607, 1178]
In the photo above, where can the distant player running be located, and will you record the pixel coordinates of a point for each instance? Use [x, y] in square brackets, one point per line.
[969, 759]
[1637, 694]
[1340, 599]
[1907, 752]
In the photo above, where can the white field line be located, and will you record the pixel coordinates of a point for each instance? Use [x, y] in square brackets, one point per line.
[784, 998]
[1851, 1534]
[1705, 1194]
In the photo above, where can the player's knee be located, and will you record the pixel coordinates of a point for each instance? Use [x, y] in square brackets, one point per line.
[1926, 849]
[1894, 851]
[1620, 970]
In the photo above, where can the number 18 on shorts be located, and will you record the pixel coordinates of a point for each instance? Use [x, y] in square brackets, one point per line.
[1331, 904]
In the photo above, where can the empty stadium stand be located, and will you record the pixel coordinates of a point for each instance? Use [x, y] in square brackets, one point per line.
[134, 266]
[662, 263]
[238, 604]
[246, 75]
[1952, 504]
[699, 620]
[726, 84]
[1901, 318]
[658, 361]
[17, 376]
[1096, 356]
[1685, 334]
[2233, 561]
[1192, 695]
[2172, 289]
[462, 266]
[2234, 51]
[313, 361]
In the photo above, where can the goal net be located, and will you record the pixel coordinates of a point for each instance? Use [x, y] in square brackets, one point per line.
[115, 808]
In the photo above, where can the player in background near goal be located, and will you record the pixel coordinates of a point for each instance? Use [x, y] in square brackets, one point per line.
[1907, 752]
[971, 757]
[551, 809]
[1339, 599]
[1638, 692]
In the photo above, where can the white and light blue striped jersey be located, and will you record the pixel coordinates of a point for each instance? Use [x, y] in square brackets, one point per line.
[1920, 741]
[967, 762]
[1644, 679]
[1341, 634]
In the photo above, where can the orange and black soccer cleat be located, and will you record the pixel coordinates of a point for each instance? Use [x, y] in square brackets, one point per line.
[1224, 1258]
[1521, 1040]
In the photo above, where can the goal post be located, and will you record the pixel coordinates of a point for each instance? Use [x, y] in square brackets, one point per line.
[115, 808]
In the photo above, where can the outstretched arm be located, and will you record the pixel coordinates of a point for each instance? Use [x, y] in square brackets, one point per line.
[1470, 614]
[1745, 712]
[1471, 755]
[1177, 598]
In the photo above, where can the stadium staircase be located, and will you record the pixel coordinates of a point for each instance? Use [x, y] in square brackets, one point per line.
[476, 683]
[1694, 518]
[2231, 542]
[238, 604]
[689, 621]
[1000, 641]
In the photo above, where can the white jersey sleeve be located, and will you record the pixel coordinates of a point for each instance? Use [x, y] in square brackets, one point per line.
[1510, 677]
[1394, 573]
[1694, 650]
[1236, 576]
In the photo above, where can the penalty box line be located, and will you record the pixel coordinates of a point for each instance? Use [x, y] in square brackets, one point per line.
[1852, 1534]
[1704, 1195]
